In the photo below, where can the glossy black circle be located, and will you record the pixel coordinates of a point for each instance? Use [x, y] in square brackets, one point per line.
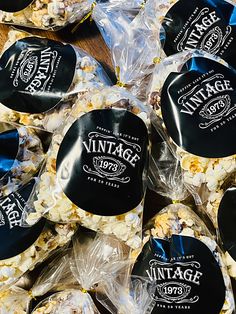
[35, 74]
[101, 161]
[184, 270]
[209, 25]
[198, 106]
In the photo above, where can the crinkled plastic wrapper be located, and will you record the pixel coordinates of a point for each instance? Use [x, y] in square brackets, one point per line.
[22, 156]
[44, 79]
[67, 301]
[203, 173]
[14, 300]
[112, 180]
[44, 14]
[51, 238]
[130, 40]
[178, 241]
[163, 28]
[135, 297]
[97, 260]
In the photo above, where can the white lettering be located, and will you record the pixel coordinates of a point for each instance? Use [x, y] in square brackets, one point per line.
[111, 148]
[199, 29]
[210, 89]
[13, 215]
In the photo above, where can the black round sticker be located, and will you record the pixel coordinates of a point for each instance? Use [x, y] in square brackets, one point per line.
[101, 161]
[184, 271]
[209, 25]
[35, 74]
[15, 238]
[199, 108]
[227, 221]
[9, 146]
[14, 5]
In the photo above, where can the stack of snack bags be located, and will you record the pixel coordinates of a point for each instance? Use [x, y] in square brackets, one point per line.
[95, 171]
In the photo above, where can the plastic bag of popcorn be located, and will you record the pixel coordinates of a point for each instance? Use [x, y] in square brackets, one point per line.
[184, 261]
[180, 25]
[41, 83]
[56, 275]
[193, 93]
[23, 248]
[21, 156]
[90, 262]
[138, 42]
[96, 169]
[67, 301]
[135, 297]
[44, 14]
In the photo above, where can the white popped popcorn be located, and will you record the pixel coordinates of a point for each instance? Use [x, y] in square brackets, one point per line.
[209, 171]
[230, 262]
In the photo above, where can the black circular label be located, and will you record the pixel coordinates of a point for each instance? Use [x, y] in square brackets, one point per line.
[201, 24]
[227, 221]
[15, 238]
[199, 108]
[14, 5]
[101, 161]
[9, 146]
[184, 271]
[35, 74]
